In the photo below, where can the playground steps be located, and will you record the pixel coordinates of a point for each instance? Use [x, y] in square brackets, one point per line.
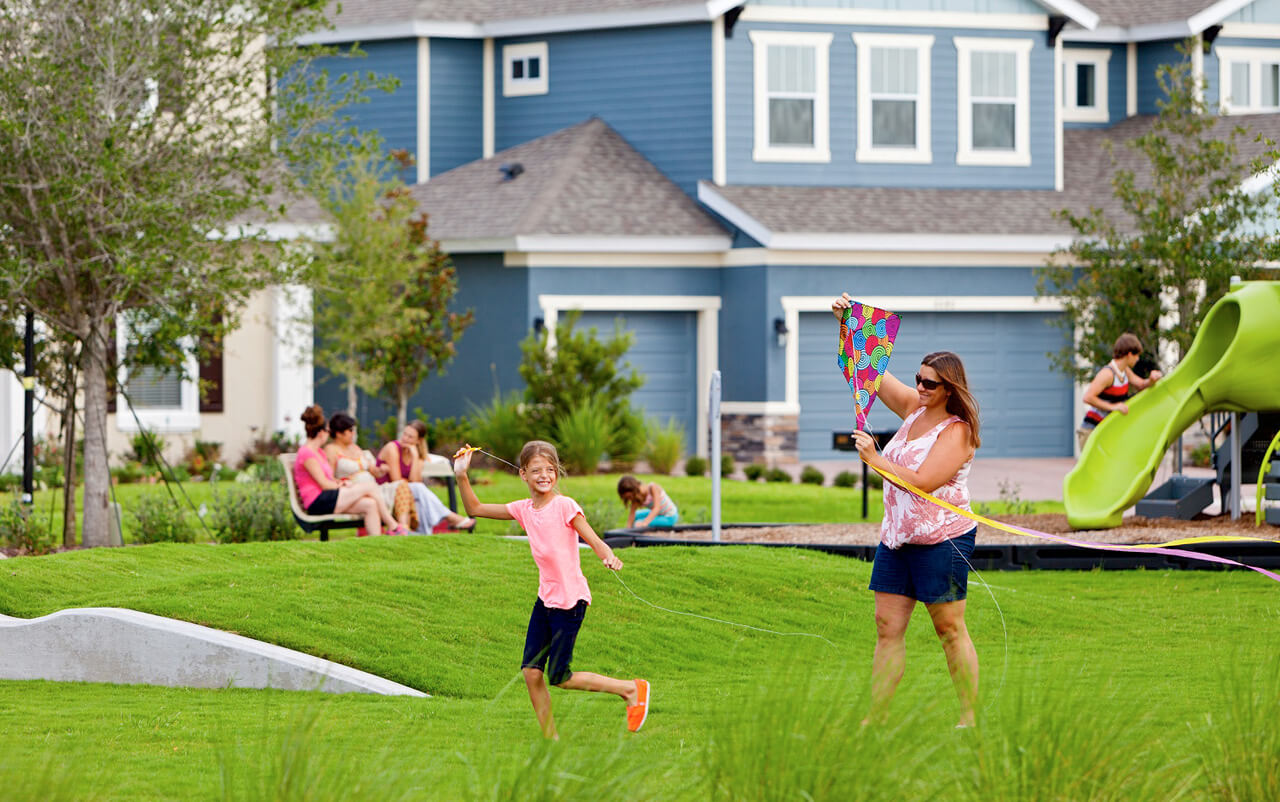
[1256, 431]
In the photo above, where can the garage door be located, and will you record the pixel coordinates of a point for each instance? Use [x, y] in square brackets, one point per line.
[1025, 405]
[664, 350]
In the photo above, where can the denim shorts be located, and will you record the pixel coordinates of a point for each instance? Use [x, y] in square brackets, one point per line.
[931, 574]
[548, 645]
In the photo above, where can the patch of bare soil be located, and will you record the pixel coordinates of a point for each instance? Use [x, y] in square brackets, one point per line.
[1134, 530]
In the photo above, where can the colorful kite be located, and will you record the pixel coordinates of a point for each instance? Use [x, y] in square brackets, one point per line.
[866, 342]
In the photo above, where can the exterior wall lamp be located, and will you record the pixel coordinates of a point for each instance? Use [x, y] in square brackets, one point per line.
[780, 329]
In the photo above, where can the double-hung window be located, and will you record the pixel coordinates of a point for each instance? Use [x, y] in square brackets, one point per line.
[164, 400]
[524, 69]
[791, 96]
[1084, 85]
[994, 114]
[893, 73]
[1249, 79]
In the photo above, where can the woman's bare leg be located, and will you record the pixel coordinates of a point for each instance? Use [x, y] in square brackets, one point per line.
[354, 500]
[893, 613]
[962, 658]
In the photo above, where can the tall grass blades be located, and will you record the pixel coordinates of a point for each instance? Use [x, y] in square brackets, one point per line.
[552, 771]
[799, 736]
[54, 779]
[666, 444]
[1239, 746]
[499, 426]
[1049, 740]
[584, 435]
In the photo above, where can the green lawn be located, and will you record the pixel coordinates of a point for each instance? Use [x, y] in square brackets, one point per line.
[1117, 685]
[741, 501]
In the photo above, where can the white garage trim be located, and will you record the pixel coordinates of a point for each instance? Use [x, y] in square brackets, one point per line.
[707, 307]
[793, 305]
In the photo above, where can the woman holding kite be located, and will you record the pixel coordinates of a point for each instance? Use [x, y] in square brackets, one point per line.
[924, 549]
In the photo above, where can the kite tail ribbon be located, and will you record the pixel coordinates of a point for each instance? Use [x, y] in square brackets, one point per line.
[1168, 548]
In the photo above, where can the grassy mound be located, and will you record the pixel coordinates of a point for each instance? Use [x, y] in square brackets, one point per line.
[1135, 685]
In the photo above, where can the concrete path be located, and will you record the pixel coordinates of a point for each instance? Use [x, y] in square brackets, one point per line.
[109, 644]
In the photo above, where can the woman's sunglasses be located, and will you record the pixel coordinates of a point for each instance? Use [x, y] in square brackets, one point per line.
[928, 384]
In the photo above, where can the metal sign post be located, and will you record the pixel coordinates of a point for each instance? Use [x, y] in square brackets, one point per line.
[714, 418]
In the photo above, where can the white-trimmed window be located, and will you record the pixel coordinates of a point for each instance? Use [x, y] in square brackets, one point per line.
[893, 97]
[792, 104]
[163, 400]
[994, 101]
[525, 70]
[1084, 85]
[1249, 79]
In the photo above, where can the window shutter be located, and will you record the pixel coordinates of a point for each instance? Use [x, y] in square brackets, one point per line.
[112, 367]
[211, 373]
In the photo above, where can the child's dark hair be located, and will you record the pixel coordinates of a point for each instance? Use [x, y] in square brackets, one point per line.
[540, 448]
[313, 420]
[341, 422]
[1126, 344]
[628, 486]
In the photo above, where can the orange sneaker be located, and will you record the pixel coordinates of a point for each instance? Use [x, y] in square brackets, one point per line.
[638, 712]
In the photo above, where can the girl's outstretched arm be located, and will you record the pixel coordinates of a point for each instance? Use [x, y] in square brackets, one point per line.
[597, 545]
[469, 500]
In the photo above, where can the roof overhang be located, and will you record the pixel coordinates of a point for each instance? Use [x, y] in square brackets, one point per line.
[876, 241]
[543, 243]
[525, 26]
[1153, 31]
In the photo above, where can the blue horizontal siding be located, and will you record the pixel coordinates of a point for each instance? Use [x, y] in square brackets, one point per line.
[1258, 11]
[1117, 83]
[393, 115]
[1151, 56]
[843, 169]
[457, 103]
[652, 85]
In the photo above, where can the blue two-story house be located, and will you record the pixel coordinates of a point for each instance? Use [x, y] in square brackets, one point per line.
[711, 172]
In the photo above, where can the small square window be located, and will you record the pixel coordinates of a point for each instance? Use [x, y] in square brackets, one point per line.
[1084, 85]
[525, 70]
[1086, 88]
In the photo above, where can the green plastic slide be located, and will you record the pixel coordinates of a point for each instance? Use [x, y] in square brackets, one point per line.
[1233, 365]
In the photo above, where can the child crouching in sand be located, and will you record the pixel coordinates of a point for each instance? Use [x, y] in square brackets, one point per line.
[554, 523]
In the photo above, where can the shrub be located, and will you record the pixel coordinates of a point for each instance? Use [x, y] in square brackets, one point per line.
[269, 471]
[158, 519]
[1202, 455]
[874, 480]
[500, 426]
[666, 444]
[250, 512]
[129, 473]
[584, 434]
[812, 476]
[726, 464]
[695, 466]
[754, 471]
[776, 475]
[145, 448]
[201, 457]
[266, 449]
[604, 514]
[19, 530]
[580, 366]
[845, 479]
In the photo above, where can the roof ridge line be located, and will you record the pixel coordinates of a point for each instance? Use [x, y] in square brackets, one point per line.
[541, 204]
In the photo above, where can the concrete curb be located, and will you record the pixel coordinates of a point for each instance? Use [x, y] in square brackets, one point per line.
[127, 647]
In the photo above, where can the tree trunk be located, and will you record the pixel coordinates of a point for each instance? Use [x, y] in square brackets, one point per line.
[352, 398]
[402, 409]
[69, 462]
[96, 476]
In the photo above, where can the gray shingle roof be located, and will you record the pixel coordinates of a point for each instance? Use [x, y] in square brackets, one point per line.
[1143, 12]
[584, 180]
[867, 210]
[377, 12]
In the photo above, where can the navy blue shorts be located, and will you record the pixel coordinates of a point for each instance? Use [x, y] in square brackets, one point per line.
[325, 503]
[548, 645]
[931, 574]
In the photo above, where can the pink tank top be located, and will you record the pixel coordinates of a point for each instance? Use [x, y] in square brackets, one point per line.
[909, 518]
[308, 487]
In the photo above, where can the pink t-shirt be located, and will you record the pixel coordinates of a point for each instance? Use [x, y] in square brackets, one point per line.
[554, 543]
[909, 518]
[308, 487]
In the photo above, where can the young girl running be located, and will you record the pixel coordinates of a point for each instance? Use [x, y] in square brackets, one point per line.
[554, 523]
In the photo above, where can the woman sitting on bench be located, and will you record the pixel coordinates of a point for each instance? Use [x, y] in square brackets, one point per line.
[403, 459]
[322, 494]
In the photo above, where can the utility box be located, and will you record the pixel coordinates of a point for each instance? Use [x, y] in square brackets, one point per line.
[1181, 497]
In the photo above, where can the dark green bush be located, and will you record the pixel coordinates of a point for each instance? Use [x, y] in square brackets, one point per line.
[129, 473]
[664, 446]
[19, 530]
[585, 434]
[874, 480]
[754, 471]
[726, 465]
[776, 475]
[812, 476]
[695, 466]
[246, 512]
[158, 519]
[1202, 455]
[845, 479]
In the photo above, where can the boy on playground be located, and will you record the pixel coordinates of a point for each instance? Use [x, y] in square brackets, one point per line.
[554, 524]
[648, 504]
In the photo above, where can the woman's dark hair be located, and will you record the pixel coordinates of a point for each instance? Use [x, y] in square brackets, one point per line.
[960, 402]
[313, 420]
[1126, 344]
[341, 422]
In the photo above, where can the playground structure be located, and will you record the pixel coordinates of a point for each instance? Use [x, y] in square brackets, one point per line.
[1230, 367]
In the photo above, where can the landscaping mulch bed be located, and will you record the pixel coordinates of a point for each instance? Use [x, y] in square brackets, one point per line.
[1135, 530]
